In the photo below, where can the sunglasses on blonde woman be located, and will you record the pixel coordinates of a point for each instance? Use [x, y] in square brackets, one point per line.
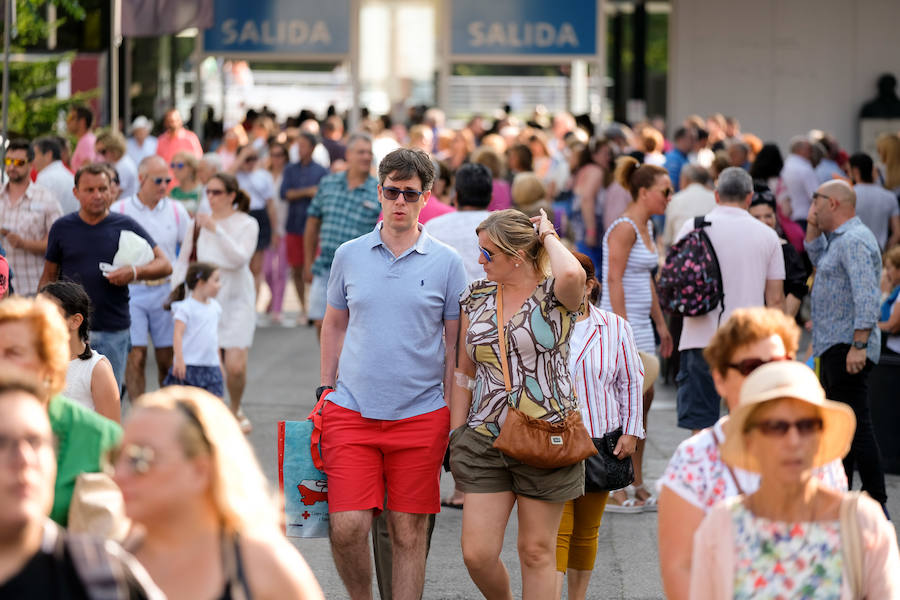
[748, 365]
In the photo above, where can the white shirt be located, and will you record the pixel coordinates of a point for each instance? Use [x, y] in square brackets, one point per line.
[801, 182]
[693, 201]
[128, 176]
[749, 254]
[607, 373]
[79, 377]
[138, 152]
[59, 180]
[200, 343]
[259, 185]
[167, 222]
[457, 230]
[875, 206]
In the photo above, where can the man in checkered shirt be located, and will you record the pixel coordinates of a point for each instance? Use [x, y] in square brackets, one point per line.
[27, 210]
[345, 207]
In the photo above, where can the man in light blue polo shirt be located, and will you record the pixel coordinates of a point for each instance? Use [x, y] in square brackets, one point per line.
[388, 348]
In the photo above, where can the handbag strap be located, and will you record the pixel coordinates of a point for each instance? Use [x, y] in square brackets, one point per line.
[501, 333]
[851, 544]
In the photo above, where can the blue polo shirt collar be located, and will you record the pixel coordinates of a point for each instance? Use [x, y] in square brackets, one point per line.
[422, 245]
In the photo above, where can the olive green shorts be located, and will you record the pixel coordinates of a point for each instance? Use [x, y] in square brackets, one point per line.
[479, 468]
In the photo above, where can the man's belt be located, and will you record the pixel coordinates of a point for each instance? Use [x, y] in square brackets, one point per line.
[154, 282]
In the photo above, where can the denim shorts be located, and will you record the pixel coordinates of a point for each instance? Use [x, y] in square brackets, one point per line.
[318, 298]
[148, 315]
[207, 378]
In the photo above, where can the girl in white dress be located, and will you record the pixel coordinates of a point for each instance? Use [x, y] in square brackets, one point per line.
[227, 239]
[89, 380]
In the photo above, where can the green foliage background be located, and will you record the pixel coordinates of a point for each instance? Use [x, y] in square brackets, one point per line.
[33, 106]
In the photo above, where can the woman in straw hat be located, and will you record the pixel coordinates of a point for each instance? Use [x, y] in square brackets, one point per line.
[696, 479]
[793, 537]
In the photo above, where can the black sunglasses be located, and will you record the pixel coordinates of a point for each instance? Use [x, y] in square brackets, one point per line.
[392, 193]
[748, 365]
[161, 180]
[779, 428]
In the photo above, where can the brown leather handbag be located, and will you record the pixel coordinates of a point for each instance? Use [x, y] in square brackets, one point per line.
[536, 442]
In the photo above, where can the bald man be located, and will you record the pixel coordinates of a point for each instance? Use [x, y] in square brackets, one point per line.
[845, 307]
[167, 221]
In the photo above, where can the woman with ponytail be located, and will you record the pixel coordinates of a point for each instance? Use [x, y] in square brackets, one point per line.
[89, 380]
[227, 238]
[629, 290]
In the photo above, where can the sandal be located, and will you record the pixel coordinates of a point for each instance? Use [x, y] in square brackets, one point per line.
[628, 506]
[243, 422]
[650, 503]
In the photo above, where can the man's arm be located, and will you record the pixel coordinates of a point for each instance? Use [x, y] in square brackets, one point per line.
[310, 243]
[50, 274]
[895, 233]
[863, 270]
[334, 329]
[30, 246]
[775, 294]
[294, 194]
[157, 268]
[451, 334]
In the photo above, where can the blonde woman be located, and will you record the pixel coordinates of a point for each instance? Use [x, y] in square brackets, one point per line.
[188, 188]
[888, 146]
[190, 479]
[541, 287]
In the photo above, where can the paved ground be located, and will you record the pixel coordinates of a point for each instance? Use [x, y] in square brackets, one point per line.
[283, 374]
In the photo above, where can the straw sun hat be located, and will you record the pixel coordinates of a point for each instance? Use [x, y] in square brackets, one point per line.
[787, 379]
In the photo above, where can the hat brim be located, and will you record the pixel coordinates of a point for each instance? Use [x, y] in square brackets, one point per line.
[839, 426]
[651, 370]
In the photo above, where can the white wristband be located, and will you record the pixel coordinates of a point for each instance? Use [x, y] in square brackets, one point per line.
[464, 381]
[134, 273]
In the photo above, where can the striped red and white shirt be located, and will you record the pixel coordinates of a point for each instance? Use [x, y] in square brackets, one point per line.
[607, 373]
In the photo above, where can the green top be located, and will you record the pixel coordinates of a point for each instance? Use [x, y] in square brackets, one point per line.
[83, 437]
[189, 199]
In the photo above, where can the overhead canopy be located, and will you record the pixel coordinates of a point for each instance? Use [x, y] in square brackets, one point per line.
[148, 18]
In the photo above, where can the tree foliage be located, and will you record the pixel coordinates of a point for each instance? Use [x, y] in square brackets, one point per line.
[34, 108]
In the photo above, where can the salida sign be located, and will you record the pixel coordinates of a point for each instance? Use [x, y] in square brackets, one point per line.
[524, 27]
[280, 27]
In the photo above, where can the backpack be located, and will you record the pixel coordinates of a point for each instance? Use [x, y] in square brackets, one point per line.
[690, 282]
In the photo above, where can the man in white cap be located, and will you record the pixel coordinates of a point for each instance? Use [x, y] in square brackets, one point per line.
[141, 144]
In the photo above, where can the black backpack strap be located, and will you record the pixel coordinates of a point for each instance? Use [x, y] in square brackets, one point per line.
[701, 222]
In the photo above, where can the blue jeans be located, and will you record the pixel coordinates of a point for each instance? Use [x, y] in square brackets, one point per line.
[698, 403]
[114, 345]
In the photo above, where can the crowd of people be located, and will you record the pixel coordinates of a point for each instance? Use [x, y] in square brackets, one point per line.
[514, 268]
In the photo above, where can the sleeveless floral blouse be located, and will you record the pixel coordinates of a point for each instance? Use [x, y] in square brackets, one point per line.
[537, 338]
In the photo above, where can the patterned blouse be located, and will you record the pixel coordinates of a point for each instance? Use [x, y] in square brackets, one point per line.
[537, 338]
[785, 560]
[697, 473]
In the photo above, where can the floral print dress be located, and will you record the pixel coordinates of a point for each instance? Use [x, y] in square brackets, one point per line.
[537, 337]
[780, 560]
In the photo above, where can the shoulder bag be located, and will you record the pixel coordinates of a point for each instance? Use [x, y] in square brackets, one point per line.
[605, 471]
[536, 442]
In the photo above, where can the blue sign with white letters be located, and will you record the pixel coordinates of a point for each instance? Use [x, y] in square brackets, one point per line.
[524, 27]
[306, 27]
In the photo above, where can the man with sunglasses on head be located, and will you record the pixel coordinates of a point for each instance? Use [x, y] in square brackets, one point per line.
[752, 269]
[76, 246]
[845, 309]
[27, 210]
[393, 299]
[167, 222]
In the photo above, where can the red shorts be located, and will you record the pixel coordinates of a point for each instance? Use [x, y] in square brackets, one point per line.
[362, 456]
[294, 244]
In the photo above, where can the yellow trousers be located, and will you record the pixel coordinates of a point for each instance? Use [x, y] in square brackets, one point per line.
[576, 542]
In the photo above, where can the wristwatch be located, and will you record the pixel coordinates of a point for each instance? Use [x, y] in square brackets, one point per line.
[321, 390]
[861, 345]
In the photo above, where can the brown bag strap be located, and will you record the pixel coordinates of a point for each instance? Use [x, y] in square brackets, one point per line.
[501, 333]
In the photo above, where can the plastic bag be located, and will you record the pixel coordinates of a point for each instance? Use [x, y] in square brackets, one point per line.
[134, 251]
